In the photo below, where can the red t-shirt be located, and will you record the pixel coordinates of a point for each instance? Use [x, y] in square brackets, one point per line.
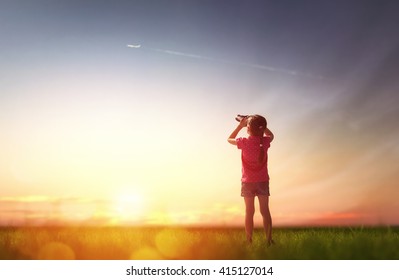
[252, 170]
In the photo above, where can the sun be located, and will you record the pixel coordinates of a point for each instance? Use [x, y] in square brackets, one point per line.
[128, 206]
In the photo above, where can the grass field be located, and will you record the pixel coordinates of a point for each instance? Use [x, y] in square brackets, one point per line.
[198, 243]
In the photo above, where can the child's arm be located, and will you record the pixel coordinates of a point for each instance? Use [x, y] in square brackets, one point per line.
[269, 134]
[233, 135]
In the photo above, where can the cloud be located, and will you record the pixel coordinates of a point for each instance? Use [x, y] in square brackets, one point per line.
[44, 198]
[342, 218]
[28, 198]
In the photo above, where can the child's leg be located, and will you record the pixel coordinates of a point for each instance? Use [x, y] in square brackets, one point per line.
[249, 216]
[267, 218]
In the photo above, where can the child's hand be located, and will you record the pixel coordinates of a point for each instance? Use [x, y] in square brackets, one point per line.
[244, 122]
[269, 134]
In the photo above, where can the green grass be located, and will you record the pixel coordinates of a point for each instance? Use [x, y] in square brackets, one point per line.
[198, 243]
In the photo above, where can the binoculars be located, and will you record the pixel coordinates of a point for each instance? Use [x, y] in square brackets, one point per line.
[239, 118]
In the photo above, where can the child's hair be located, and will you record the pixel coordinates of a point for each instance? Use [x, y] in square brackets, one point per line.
[257, 125]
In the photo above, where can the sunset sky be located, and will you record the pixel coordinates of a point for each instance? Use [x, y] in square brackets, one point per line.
[96, 132]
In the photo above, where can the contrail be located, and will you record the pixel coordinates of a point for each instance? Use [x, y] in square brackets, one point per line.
[255, 66]
[182, 54]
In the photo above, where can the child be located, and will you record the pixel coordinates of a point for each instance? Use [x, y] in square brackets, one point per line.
[255, 176]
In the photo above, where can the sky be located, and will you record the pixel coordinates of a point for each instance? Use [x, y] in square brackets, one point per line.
[93, 131]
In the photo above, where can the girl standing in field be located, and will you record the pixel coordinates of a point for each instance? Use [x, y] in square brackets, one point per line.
[255, 176]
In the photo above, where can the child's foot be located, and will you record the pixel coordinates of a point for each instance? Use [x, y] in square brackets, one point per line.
[270, 243]
[247, 244]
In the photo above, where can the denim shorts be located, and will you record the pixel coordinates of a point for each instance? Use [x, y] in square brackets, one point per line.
[254, 189]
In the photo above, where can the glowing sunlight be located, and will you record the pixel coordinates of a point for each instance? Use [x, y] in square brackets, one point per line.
[128, 206]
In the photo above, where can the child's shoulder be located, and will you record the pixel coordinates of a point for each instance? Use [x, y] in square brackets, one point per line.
[241, 142]
[242, 139]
